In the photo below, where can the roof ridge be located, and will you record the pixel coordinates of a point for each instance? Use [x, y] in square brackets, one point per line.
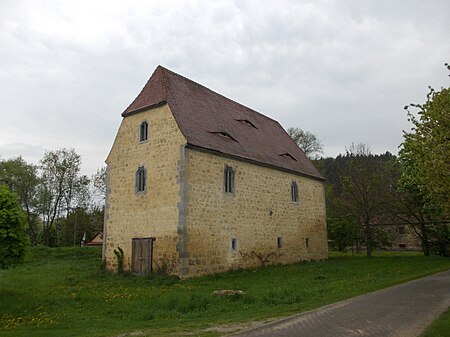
[215, 92]
[198, 110]
[162, 77]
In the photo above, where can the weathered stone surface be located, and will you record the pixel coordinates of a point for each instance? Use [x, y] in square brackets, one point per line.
[193, 219]
[258, 213]
[153, 213]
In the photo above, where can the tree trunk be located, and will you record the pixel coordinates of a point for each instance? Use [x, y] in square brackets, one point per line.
[368, 240]
[359, 241]
[425, 242]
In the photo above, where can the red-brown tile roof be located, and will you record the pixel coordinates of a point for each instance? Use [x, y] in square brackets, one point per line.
[213, 122]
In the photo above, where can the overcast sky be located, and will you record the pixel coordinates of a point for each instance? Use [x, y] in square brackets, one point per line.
[340, 69]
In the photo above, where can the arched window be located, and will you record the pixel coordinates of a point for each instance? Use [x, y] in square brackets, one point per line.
[229, 179]
[141, 174]
[294, 192]
[143, 131]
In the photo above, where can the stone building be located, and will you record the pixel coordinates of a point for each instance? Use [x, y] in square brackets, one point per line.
[403, 237]
[199, 184]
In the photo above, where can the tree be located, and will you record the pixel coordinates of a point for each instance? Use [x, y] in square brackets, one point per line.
[342, 232]
[13, 239]
[59, 185]
[307, 141]
[22, 179]
[425, 160]
[363, 193]
[80, 221]
[80, 201]
[99, 182]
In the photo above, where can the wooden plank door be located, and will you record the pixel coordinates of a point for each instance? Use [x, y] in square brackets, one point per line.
[142, 251]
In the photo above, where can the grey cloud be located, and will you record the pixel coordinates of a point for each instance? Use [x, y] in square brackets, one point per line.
[340, 69]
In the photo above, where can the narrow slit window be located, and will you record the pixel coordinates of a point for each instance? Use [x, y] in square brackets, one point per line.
[143, 131]
[294, 192]
[140, 179]
[307, 242]
[229, 179]
[233, 245]
[279, 242]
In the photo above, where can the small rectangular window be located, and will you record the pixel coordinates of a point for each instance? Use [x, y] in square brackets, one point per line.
[294, 192]
[279, 242]
[401, 230]
[229, 179]
[307, 242]
[233, 245]
[143, 132]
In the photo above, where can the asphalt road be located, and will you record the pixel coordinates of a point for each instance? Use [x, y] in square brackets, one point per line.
[404, 310]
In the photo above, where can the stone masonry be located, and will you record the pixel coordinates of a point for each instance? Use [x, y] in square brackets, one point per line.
[167, 201]
[153, 213]
[192, 218]
[258, 215]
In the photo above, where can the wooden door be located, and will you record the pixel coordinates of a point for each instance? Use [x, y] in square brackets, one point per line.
[142, 251]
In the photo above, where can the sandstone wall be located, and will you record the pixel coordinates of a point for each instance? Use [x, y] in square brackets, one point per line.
[153, 213]
[192, 218]
[258, 215]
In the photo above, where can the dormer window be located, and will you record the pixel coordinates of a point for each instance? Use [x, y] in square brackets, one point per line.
[143, 132]
[288, 155]
[223, 134]
[246, 122]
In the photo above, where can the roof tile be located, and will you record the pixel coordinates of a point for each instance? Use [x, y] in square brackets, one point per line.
[202, 115]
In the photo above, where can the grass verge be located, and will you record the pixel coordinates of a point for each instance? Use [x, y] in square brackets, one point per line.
[440, 327]
[63, 292]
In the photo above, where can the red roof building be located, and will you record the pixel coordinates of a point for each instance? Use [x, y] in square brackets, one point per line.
[198, 184]
[213, 122]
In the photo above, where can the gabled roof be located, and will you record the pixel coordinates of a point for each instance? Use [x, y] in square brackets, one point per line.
[213, 122]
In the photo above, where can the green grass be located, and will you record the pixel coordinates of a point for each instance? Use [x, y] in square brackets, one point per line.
[440, 327]
[63, 292]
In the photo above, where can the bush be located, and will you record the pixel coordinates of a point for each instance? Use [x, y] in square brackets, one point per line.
[13, 238]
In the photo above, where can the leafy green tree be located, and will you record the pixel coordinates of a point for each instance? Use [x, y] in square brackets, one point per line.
[425, 160]
[22, 179]
[99, 182]
[307, 141]
[13, 237]
[342, 233]
[358, 197]
[73, 227]
[60, 182]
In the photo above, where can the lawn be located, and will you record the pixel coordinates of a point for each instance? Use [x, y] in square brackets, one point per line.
[64, 292]
[440, 327]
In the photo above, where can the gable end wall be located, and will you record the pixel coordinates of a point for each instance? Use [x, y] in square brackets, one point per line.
[155, 212]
